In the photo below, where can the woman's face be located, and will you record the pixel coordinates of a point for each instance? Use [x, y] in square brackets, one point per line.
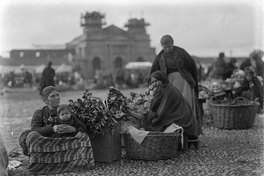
[167, 48]
[249, 77]
[155, 81]
[53, 99]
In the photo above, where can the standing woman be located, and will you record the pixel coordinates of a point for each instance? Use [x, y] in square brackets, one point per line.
[181, 71]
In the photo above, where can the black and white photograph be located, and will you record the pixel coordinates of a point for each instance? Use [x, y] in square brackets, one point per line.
[131, 88]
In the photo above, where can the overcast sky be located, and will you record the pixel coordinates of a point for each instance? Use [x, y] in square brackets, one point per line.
[201, 27]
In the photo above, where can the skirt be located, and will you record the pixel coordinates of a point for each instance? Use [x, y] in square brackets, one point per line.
[184, 87]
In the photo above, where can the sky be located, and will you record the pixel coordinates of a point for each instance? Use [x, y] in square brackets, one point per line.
[202, 27]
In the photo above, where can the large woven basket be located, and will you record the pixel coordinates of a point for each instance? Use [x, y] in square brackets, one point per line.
[233, 116]
[156, 146]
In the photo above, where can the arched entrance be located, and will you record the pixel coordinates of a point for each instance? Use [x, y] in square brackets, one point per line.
[118, 62]
[140, 59]
[96, 63]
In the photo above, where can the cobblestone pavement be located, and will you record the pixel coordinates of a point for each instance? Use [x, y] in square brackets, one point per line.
[222, 152]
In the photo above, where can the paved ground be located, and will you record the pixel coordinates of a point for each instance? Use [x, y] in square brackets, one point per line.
[222, 152]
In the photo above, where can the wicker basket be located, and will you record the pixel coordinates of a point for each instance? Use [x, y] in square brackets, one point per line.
[156, 146]
[233, 116]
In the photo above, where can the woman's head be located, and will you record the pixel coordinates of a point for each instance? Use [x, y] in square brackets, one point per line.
[51, 96]
[64, 112]
[166, 42]
[249, 73]
[159, 77]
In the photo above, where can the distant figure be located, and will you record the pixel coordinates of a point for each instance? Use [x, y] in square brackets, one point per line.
[47, 77]
[28, 78]
[233, 62]
[257, 63]
[222, 69]
[245, 63]
[251, 88]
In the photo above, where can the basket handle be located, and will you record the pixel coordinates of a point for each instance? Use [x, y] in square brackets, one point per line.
[238, 98]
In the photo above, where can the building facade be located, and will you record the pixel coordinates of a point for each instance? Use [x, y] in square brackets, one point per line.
[97, 48]
[109, 48]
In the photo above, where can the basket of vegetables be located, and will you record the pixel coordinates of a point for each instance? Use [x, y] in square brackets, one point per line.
[238, 113]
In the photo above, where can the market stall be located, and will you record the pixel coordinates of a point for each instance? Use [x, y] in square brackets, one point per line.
[138, 71]
[229, 109]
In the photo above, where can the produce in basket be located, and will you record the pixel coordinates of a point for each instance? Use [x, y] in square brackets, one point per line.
[237, 101]
[204, 92]
[238, 113]
[141, 102]
[118, 105]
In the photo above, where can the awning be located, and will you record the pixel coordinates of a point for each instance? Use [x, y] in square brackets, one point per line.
[138, 65]
[6, 69]
[40, 68]
[63, 68]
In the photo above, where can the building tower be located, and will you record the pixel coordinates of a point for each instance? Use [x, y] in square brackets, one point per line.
[92, 22]
[136, 26]
[137, 30]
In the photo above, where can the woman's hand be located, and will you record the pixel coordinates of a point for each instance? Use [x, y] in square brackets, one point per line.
[64, 129]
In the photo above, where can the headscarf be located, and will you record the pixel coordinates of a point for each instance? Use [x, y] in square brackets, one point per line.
[249, 71]
[46, 92]
[166, 40]
[159, 75]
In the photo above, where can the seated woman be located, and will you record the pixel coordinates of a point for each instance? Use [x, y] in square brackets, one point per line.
[251, 88]
[168, 106]
[49, 154]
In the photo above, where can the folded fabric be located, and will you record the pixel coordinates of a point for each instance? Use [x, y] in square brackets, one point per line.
[58, 155]
[174, 127]
[136, 134]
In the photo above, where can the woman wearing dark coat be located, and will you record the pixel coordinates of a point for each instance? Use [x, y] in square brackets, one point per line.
[181, 71]
[44, 119]
[251, 88]
[47, 77]
[168, 106]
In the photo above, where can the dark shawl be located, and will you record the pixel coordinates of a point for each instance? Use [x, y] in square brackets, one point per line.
[167, 107]
[259, 68]
[159, 75]
[185, 65]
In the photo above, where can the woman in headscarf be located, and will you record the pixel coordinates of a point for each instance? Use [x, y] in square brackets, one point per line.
[54, 155]
[181, 71]
[168, 106]
[251, 88]
[44, 120]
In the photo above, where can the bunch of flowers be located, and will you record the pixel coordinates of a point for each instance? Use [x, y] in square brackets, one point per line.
[119, 106]
[93, 112]
[98, 115]
[141, 102]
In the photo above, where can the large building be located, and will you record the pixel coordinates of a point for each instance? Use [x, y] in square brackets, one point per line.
[97, 48]
[108, 48]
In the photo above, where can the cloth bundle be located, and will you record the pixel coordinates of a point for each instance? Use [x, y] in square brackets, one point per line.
[140, 135]
[58, 155]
